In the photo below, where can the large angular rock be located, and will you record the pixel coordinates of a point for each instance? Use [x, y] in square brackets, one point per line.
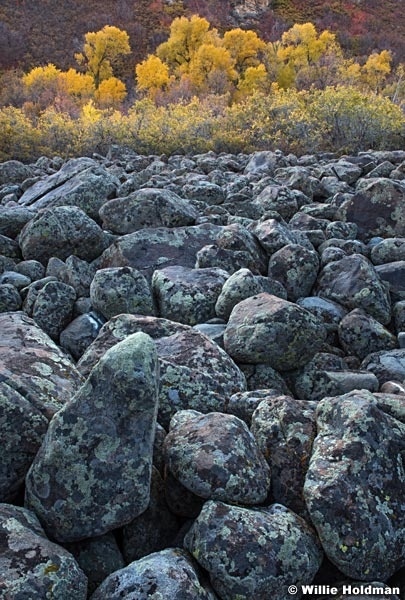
[81, 182]
[92, 473]
[360, 334]
[154, 248]
[31, 565]
[147, 207]
[13, 219]
[387, 365]
[377, 208]
[254, 553]
[355, 486]
[354, 283]
[53, 308]
[60, 232]
[215, 456]
[267, 329]
[32, 364]
[165, 575]
[393, 274]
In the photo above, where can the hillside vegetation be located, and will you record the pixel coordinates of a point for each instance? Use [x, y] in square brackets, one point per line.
[203, 89]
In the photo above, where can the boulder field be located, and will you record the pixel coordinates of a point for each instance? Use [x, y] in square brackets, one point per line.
[202, 377]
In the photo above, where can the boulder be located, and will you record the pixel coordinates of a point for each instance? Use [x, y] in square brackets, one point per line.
[354, 283]
[296, 268]
[167, 575]
[92, 473]
[360, 334]
[267, 329]
[354, 487]
[60, 232]
[377, 208]
[187, 295]
[147, 207]
[31, 565]
[32, 364]
[215, 456]
[121, 290]
[254, 553]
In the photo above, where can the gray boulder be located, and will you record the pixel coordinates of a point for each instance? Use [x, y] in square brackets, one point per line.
[92, 473]
[284, 429]
[267, 329]
[354, 487]
[31, 565]
[10, 299]
[167, 575]
[147, 207]
[296, 268]
[53, 308]
[215, 456]
[121, 290]
[354, 283]
[254, 553]
[81, 182]
[60, 232]
[360, 334]
[32, 364]
[14, 171]
[187, 295]
[377, 208]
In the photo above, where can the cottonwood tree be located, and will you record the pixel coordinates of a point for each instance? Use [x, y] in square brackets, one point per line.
[101, 52]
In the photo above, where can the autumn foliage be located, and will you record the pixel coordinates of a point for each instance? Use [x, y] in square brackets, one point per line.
[203, 90]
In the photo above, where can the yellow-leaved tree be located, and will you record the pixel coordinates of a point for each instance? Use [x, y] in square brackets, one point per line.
[376, 69]
[212, 69]
[152, 75]
[102, 50]
[110, 93]
[244, 47]
[306, 58]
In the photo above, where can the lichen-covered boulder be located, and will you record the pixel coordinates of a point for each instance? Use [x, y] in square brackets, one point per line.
[241, 285]
[22, 429]
[377, 208]
[14, 171]
[121, 290]
[153, 530]
[53, 308]
[10, 299]
[60, 232]
[154, 248]
[97, 557]
[187, 295]
[81, 182]
[354, 283]
[274, 235]
[31, 565]
[355, 485]
[147, 207]
[278, 198]
[32, 364]
[195, 373]
[244, 404]
[389, 250]
[166, 575]
[296, 268]
[13, 219]
[267, 329]
[215, 456]
[387, 365]
[254, 553]
[284, 429]
[92, 473]
[360, 334]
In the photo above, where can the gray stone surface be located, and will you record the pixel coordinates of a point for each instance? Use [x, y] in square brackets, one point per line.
[355, 486]
[253, 553]
[92, 473]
